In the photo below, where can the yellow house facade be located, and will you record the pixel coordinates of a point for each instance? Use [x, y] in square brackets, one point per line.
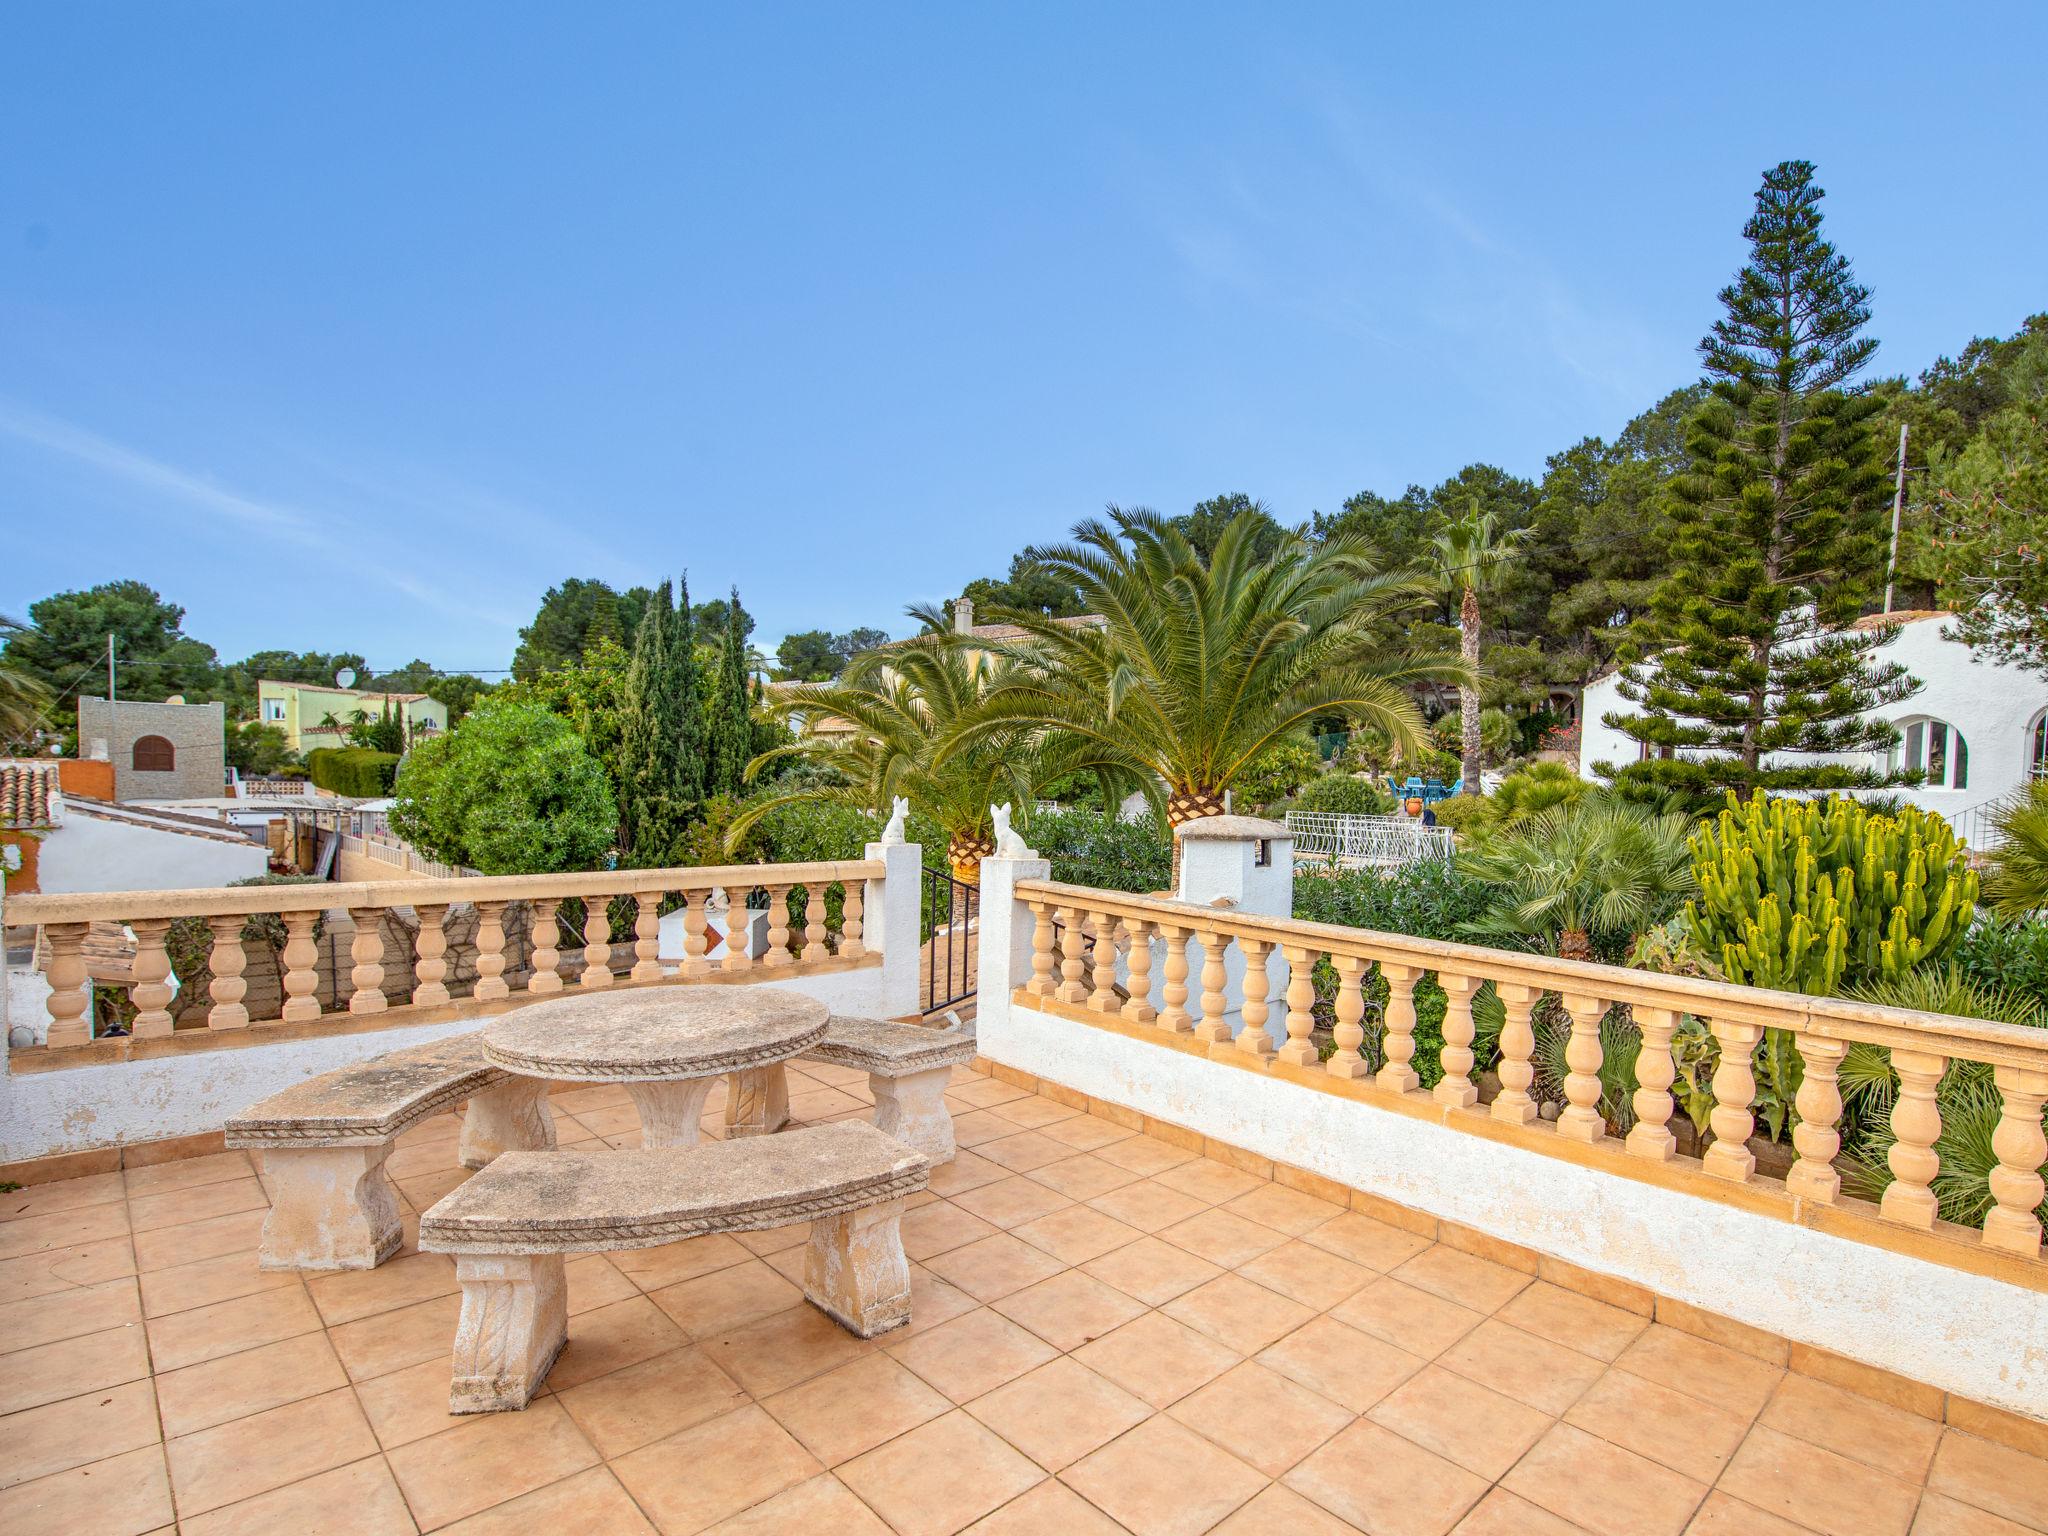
[313, 716]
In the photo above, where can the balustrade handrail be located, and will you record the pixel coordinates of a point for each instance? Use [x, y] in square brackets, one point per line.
[223, 901]
[1984, 1040]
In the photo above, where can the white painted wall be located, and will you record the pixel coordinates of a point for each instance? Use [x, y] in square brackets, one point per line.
[1994, 707]
[88, 854]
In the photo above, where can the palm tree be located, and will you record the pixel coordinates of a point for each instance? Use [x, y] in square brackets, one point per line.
[903, 702]
[2018, 883]
[1198, 666]
[1471, 553]
[1596, 865]
[23, 696]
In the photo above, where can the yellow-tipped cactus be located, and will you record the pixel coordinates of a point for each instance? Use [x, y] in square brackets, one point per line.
[1811, 896]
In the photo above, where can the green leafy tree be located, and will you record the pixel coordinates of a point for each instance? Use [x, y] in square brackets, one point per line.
[257, 749]
[1779, 524]
[808, 657]
[1201, 666]
[1205, 524]
[238, 680]
[1473, 552]
[510, 791]
[591, 697]
[64, 646]
[661, 748]
[729, 737]
[571, 617]
[1028, 585]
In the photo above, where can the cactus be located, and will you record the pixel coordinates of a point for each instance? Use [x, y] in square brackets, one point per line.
[1811, 896]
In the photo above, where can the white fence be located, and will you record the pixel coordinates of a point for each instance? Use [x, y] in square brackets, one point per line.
[389, 850]
[1366, 842]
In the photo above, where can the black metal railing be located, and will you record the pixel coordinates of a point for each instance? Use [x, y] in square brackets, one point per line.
[951, 908]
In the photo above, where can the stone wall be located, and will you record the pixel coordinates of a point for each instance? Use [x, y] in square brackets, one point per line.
[193, 730]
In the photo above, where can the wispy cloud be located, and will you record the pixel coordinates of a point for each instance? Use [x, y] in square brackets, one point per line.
[283, 522]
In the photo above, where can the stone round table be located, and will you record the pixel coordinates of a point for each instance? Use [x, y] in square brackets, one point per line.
[667, 1045]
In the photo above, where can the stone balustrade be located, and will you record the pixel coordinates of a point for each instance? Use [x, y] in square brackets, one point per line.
[590, 952]
[1161, 969]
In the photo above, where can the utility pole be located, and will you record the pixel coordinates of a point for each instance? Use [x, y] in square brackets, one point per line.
[1891, 569]
[110, 681]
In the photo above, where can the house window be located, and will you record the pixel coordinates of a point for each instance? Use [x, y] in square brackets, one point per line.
[2037, 747]
[1935, 749]
[153, 754]
[273, 710]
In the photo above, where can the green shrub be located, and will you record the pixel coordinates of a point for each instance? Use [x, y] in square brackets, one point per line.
[812, 831]
[1087, 848]
[1344, 794]
[356, 772]
[2000, 953]
[1275, 773]
[1464, 814]
[1814, 896]
[510, 791]
[1536, 788]
[1429, 899]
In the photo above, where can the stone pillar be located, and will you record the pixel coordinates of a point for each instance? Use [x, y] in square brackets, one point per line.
[889, 924]
[509, 1116]
[1238, 864]
[912, 1108]
[330, 1208]
[1003, 952]
[514, 1322]
[856, 1272]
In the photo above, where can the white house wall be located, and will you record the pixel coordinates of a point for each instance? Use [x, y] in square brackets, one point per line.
[89, 854]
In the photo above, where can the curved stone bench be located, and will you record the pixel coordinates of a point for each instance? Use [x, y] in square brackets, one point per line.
[509, 1226]
[324, 1142]
[908, 1068]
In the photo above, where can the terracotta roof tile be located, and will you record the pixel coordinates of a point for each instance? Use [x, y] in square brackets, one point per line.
[28, 795]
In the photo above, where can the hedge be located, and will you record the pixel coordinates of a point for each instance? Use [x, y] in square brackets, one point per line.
[357, 772]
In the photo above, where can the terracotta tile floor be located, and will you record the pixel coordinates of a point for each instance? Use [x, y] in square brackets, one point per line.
[1109, 1335]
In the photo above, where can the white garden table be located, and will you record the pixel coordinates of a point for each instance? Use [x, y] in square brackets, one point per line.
[667, 1045]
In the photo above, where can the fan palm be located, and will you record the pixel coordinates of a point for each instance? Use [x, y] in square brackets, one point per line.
[2018, 883]
[1596, 865]
[1198, 666]
[903, 702]
[1470, 554]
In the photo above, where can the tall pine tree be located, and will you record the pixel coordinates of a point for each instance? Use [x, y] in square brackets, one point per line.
[729, 738]
[1752, 646]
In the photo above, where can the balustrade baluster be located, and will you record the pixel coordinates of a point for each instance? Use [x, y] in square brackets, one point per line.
[302, 967]
[1455, 1089]
[1300, 1047]
[1349, 1034]
[1173, 988]
[738, 930]
[547, 957]
[1214, 1027]
[2011, 1226]
[431, 971]
[70, 990]
[778, 927]
[814, 921]
[1734, 1091]
[694, 923]
[1137, 1007]
[1581, 1119]
[646, 936]
[1651, 1135]
[1916, 1121]
[1517, 1045]
[151, 992]
[1102, 996]
[1041, 983]
[490, 951]
[1253, 1040]
[597, 949]
[851, 945]
[227, 960]
[1817, 1136]
[1071, 989]
[1397, 1075]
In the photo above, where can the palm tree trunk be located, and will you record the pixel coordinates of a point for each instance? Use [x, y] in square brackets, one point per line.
[1468, 693]
[1574, 944]
[964, 853]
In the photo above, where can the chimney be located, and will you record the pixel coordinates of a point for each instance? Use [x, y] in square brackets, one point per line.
[963, 615]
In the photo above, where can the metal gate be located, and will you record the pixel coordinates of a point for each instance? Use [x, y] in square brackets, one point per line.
[951, 913]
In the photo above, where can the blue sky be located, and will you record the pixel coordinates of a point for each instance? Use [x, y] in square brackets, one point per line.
[358, 326]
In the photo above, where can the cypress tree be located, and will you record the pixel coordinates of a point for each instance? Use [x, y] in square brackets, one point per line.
[684, 724]
[645, 821]
[730, 734]
[1752, 646]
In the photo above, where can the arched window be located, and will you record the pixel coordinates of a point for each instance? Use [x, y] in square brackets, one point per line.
[154, 754]
[1934, 748]
[2037, 747]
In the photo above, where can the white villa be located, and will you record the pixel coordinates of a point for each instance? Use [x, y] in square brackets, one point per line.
[1978, 730]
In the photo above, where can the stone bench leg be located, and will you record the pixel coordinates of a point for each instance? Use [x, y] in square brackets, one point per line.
[511, 1116]
[330, 1208]
[515, 1320]
[856, 1272]
[912, 1108]
[756, 1101]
